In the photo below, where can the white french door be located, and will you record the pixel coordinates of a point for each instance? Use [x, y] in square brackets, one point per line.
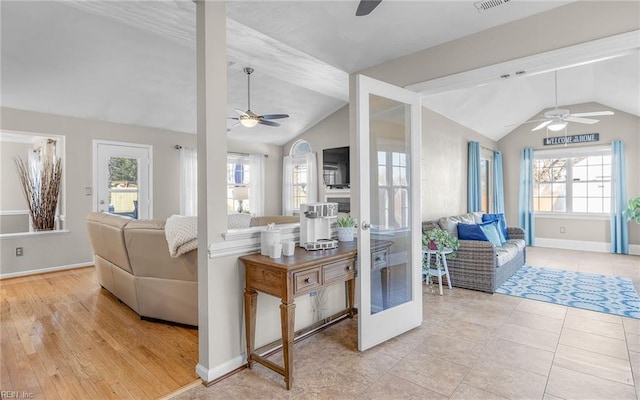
[122, 178]
[388, 194]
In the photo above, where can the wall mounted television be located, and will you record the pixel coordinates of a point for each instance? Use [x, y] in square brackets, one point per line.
[335, 167]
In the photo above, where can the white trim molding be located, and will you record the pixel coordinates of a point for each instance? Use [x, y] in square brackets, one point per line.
[45, 270]
[244, 241]
[209, 375]
[31, 234]
[599, 247]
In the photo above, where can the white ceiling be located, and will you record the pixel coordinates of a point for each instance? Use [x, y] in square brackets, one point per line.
[134, 62]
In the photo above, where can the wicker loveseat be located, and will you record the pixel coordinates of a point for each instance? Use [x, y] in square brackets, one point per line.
[480, 265]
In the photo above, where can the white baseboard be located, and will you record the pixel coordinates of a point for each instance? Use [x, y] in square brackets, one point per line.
[600, 247]
[209, 375]
[43, 270]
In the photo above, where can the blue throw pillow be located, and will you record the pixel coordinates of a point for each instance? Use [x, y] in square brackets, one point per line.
[491, 230]
[471, 232]
[502, 223]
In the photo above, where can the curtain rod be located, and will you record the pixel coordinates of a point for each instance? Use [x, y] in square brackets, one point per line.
[178, 147]
[244, 154]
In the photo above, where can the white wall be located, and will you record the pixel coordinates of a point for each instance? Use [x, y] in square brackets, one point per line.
[72, 248]
[621, 126]
[12, 198]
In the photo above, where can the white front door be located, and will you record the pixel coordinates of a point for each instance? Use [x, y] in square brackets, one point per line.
[122, 179]
[388, 152]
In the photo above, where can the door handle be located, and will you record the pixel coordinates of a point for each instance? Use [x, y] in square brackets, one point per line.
[365, 226]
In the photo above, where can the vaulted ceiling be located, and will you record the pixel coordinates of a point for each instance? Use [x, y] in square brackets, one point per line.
[134, 62]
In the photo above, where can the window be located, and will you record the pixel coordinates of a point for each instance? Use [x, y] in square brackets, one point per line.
[300, 179]
[573, 183]
[393, 191]
[238, 183]
[299, 183]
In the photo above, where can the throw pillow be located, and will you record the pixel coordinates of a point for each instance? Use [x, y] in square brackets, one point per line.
[471, 232]
[490, 229]
[502, 223]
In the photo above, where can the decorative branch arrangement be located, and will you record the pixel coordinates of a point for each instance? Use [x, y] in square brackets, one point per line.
[41, 188]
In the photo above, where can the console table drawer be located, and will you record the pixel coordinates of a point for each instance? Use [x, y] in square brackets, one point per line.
[306, 280]
[379, 260]
[338, 271]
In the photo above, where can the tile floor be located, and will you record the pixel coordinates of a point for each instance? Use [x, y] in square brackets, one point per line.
[471, 345]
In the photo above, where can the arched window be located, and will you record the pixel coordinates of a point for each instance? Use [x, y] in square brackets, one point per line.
[300, 178]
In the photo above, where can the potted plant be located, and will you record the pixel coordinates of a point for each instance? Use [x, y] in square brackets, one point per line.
[438, 239]
[346, 226]
[632, 211]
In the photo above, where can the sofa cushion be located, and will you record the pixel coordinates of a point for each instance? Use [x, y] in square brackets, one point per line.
[450, 224]
[506, 253]
[519, 243]
[237, 221]
[502, 223]
[471, 232]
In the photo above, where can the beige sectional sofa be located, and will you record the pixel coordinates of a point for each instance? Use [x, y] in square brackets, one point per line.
[133, 263]
[480, 265]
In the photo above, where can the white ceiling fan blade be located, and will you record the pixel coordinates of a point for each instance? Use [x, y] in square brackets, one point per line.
[592, 114]
[581, 120]
[241, 113]
[542, 125]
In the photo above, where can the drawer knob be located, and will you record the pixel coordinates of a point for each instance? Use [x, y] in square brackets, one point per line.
[307, 280]
[348, 268]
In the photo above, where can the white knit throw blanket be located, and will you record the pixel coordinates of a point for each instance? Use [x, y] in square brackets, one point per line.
[182, 234]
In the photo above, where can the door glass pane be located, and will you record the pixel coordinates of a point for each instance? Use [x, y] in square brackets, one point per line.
[390, 196]
[123, 186]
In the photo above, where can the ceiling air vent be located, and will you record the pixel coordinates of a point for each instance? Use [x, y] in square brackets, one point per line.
[488, 4]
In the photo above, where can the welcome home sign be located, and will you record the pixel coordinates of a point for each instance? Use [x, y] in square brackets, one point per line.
[572, 139]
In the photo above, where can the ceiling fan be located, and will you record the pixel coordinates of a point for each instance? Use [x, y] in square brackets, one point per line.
[248, 118]
[366, 6]
[557, 119]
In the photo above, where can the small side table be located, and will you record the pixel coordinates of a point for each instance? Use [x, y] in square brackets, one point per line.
[437, 271]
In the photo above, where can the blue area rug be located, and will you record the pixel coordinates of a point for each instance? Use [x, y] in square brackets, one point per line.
[608, 294]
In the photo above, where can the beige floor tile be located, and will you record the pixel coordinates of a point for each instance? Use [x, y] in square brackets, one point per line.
[455, 349]
[470, 331]
[435, 374]
[569, 384]
[579, 312]
[512, 383]
[635, 366]
[633, 342]
[594, 343]
[594, 326]
[467, 392]
[529, 336]
[631, 325]
[393, 387]
[600, 365]
[536, 321]
[366, 367]
[548, 396]
[516, 355]
[541, 308]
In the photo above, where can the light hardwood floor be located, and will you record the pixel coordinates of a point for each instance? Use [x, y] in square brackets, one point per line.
[63, 337]
[471, 345]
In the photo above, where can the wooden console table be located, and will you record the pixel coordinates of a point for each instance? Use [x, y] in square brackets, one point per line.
[289, 277]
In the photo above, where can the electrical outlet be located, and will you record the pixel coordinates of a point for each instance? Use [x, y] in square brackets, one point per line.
[313, 294]
[562, 229]
[19, 251]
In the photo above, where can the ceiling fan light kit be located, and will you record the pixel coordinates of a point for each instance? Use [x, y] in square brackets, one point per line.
[249, 119]
[557, 119]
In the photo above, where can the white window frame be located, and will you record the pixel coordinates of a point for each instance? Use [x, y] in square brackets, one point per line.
[583, 151]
